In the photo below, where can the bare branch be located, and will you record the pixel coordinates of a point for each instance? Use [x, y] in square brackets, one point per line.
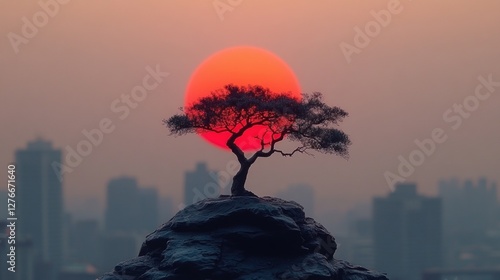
[237, 109]
[209, 129]
[301, 149]
[271, 151]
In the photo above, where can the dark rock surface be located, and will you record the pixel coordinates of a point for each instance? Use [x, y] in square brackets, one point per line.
[240, 238]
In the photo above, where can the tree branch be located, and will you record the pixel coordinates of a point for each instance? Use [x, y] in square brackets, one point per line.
[240, 155]
[301, 149]
[209, 129]
[271, 151]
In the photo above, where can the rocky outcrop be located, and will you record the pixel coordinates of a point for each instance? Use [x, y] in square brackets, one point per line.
[240, 238]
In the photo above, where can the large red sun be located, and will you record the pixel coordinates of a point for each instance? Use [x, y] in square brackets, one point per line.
[241, 66]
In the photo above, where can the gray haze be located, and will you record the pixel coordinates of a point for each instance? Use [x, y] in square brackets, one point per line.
[396, 89]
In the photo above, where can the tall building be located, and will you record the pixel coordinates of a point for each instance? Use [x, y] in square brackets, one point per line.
[84, 240]
[358, 245]
[200, 184]
[39, 201]
[302, 194]
[166, 209]
[471, 225]
[131, 214]
[481, 201]
[116, 247]
[122, 206]
[407, 233]
[131, 209]
[24, 263]
[148, 199]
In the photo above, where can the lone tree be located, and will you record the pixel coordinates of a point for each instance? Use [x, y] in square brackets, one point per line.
[236, 110]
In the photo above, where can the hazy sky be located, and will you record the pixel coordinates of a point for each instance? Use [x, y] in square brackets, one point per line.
[396, 87]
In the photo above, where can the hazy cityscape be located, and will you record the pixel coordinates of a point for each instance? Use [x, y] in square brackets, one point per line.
[90, 167]
[402, 233]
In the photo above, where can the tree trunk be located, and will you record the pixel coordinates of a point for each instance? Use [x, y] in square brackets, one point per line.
[238, 187]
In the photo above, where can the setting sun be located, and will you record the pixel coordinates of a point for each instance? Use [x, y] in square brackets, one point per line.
[240, 66]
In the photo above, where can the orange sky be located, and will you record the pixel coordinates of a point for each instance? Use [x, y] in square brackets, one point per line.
[241, 66]
[396, 89]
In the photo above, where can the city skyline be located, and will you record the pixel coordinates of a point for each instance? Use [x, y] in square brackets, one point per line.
[371, 239]
[98, 205]
[398, 89]
[80, 210]
[407, 233]
[307, 192]
[378, 119]
[40, 206]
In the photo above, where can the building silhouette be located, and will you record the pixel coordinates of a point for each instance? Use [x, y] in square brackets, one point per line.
[407, 233]
[358, 245]
[131, 214]
[83, 243]
[200, 184]
[130, 209]
[149, 209]
[39, 201]
[481, 201]
[24, 262]
[116, 247]
[302, 194]
[166, 209]
[471, 225]
[121, 206]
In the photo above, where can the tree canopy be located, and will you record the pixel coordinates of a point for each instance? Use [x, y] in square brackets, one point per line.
[239, 109]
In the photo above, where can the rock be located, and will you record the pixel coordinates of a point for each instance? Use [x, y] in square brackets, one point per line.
[240, 238]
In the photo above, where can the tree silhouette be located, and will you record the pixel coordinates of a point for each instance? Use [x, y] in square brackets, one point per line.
[237, 110]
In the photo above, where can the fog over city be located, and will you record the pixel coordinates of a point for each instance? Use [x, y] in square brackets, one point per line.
[419, 79]
[397, 89]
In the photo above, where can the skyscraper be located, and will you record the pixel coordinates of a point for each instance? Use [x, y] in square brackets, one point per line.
[116, 247]
[129, 208]
[200, 184]
[166, 209]
[24, 257]
[121, 206]
[481, 203]
[84, 242]
[131, 213]
[470, 220]
[358, 245]
[407, 233]
[148, 209]
[40, 205]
